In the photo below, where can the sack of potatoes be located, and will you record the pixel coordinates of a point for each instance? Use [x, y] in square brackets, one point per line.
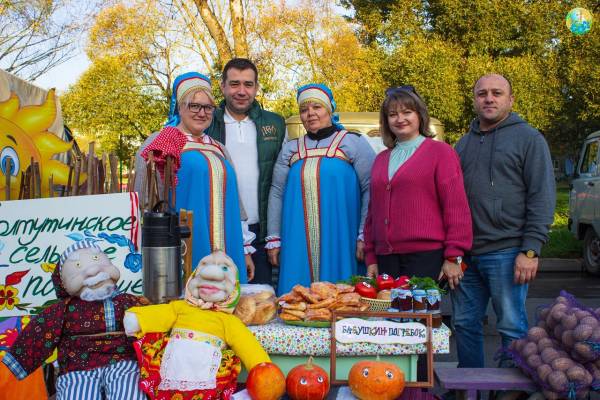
[550, 366]
[575, 326]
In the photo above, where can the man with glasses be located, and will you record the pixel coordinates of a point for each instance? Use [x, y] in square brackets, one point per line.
[509, 182]
[253, 137]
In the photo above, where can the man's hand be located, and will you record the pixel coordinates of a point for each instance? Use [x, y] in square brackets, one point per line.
[372, 271]
[249, 266]
[360, 250]
[273, 255]
[453, 273]
[525, 269]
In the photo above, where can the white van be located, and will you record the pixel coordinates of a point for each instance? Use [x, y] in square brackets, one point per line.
[584, 202]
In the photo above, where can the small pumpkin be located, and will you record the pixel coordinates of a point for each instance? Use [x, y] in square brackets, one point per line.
[307, 382]
[376, 380]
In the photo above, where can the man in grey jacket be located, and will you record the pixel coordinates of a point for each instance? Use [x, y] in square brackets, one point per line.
[509, 182]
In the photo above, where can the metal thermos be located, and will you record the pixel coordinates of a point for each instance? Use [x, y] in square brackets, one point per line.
[161, 256]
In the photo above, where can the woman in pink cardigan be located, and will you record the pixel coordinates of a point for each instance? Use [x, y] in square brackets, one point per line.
[418, 221]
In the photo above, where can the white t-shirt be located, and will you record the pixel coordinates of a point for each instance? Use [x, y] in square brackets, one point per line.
[240, 141]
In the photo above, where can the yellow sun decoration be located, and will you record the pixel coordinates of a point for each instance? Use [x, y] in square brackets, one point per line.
[24, 136]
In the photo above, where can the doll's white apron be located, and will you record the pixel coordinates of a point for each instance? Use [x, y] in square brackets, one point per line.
[191, 361]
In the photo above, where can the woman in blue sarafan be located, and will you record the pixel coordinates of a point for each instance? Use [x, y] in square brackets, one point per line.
[319, 197]
[205, 179]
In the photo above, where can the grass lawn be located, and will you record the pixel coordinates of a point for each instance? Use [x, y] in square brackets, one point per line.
[562, 243]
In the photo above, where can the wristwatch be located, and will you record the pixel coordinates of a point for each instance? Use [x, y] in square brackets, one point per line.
[456, 260]
[529, 253]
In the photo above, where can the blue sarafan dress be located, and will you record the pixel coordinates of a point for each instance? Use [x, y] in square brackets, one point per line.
[207, 185]
[321, 217]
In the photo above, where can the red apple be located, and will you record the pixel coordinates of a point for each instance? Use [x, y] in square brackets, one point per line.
[265, 382]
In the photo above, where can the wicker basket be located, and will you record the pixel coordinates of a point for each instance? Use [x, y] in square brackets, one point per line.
[376, 305]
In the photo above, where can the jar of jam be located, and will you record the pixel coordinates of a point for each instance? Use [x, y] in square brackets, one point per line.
[402, 300]
[419, 300]
[433, 301]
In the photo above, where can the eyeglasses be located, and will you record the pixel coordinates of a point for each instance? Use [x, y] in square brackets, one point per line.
[196, 107]
[403, 88]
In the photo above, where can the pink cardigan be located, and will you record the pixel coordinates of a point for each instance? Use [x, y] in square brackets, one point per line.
[422, 208]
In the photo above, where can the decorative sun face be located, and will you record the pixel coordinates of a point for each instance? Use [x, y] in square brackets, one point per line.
[23, 137]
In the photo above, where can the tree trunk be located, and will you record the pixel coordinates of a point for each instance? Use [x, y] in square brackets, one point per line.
[216, 31]
[238, 26]
[199, 36]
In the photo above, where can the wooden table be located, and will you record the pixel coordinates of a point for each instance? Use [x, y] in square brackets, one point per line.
[468, 381]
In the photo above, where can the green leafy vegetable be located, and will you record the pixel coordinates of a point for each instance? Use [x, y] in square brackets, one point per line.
[424, 283]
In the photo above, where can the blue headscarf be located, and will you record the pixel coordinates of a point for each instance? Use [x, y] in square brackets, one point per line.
[321, 94]
[174, 118]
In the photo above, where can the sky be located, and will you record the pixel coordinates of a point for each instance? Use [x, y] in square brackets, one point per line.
[64, 74]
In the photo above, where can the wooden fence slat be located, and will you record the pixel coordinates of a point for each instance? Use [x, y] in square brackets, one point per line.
[90, 169]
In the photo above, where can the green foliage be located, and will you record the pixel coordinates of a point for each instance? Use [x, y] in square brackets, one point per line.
[369, 14]
[443, 46]
[110, 104]
[284, 104]
[562, 243]
[434, 68]
[498, 29]
[355, 279]
[424, 283]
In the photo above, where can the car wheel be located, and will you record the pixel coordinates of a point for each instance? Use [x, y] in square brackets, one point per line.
[591, 252]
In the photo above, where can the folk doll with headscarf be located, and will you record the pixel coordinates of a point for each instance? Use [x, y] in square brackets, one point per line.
[319, 197]
[85, 325]
[205, 180]
[205, 343]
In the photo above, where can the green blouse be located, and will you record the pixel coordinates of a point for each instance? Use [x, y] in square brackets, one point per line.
[402, 152]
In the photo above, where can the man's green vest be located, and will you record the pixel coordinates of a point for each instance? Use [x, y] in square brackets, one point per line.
[270, 132]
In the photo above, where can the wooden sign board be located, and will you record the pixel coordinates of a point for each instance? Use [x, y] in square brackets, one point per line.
[34, 233]
[359, 329]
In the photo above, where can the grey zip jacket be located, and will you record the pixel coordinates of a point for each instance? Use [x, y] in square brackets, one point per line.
[509, 180]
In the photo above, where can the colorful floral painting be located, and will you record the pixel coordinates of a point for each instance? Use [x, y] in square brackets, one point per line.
[9, 329]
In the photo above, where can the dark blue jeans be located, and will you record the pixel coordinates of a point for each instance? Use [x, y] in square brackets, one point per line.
[489, 275]
[263, 270]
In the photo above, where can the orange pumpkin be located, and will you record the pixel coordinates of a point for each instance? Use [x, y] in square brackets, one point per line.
[265, 382]
[376, 380]
[307, 382]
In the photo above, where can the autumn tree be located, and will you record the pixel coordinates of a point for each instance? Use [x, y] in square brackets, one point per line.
[308, 42]
[111, 104]
[218, 28]
[142, 37]
[38, 35]
[162, 39]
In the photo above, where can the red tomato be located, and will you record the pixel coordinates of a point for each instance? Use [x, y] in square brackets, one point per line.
[402, 282]
[385, 282]
[366, 290]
